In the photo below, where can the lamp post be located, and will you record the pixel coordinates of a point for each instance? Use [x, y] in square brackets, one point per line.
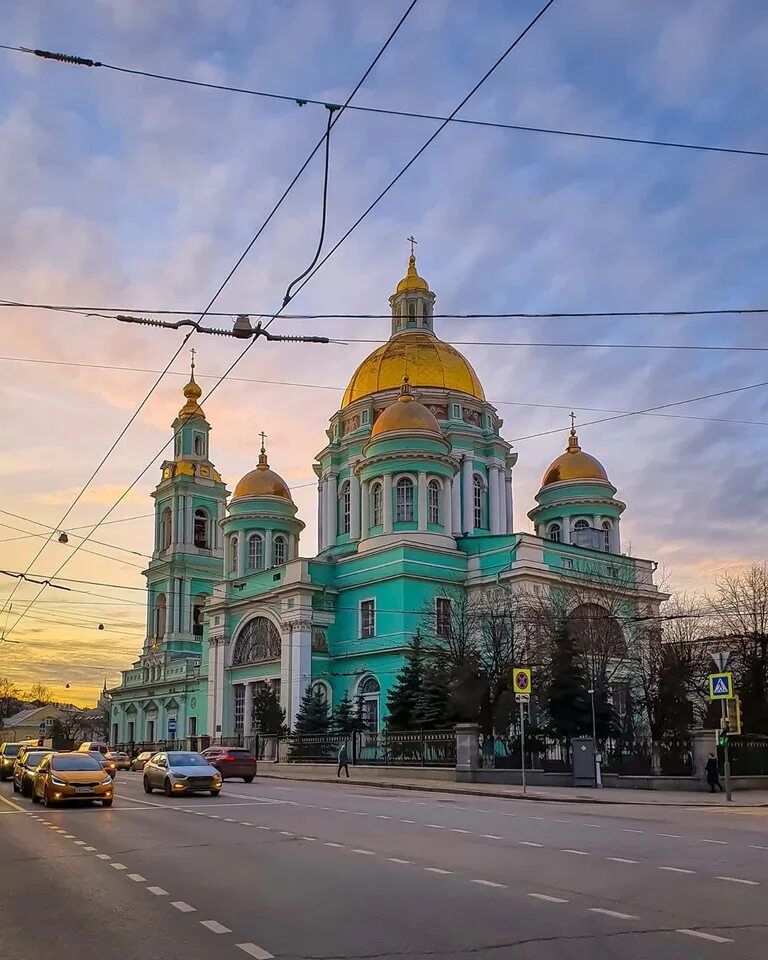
[598, 772]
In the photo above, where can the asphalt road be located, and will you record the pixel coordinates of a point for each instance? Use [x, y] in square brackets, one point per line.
[301, 870]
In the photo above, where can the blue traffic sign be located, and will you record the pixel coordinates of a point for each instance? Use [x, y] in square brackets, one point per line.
[720, 686]
[171, 725]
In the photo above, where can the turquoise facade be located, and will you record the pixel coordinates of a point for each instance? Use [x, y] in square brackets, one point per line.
[415, 498]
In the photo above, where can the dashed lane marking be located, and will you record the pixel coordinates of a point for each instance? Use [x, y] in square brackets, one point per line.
[561, 821]
[158, 891]
[79, 843]
[459, 830]
[630, 830]
[136, 877]
[529, 843]
[244, 823]
[579, 853]
[749, 883]
[365, 853]
[413, 821]
[436, 826]
[545, 896]
[621, 860]
[89, 849]
[229, 820]
[253, 951]
[183, 907]
[398, 860]
[262, 827]
[612, 913]
[118, 866]
[329, 843]
[214, 926]
[672, 836]
[381, 816]
[103, 856]
[437, 870]
[286, 833]
[676, 870]
[705, 840]
[69, 836]
[213, 816]
[755, 846]
[488, 883]
[307, 838]
[704, 936]
[491, 836]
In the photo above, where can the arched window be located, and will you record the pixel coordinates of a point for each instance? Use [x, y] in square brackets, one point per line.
[555, 532]
[166, 529]
[376, 505]
[404, 500]
[160, 611]
[197, 614]
[345, 500]
[581, 525]
[202, 526]
[255, 551]
[369, 690]
[433, 501]
[279, 550]
[234, 548]
[411, 314]
[258, 640]
[199, 445]
[478, 502]
[606, 536]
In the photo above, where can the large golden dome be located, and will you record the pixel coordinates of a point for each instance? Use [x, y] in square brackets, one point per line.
[262, 482]
[427, 361]
[406, 413]
[574, 464]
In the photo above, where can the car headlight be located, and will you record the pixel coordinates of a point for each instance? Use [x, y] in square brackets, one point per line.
[107, 779]
[179, 776]
[57, 782]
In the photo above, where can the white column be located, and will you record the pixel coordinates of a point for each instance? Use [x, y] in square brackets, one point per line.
[332, 508]
[502, 503]
[268, 534]
[300, 666]
[508, 497]
[421, 502]
[170, 608]
[181, 609]
[467, 501]
[615, 537]
[320, 516]
[447, 504]
[365, 505]
[455, 483]
[217, 534]
[221, 693]
[566, 529]
[387, 505]
[178, 520]
[354, 508]
[493, 498]
[248, 711]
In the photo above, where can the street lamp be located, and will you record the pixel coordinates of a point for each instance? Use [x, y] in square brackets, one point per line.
[598, 758]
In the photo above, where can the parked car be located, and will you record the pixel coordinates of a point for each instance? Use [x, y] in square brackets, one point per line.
[91, 745]
[232, 762]
[8, 754]
[24, 769]
[120, 759]
[61, 777]
[137, 764]
[109, 765]
[181, 771]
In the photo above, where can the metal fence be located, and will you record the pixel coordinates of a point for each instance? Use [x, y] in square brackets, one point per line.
[408, 748]
[748, 756]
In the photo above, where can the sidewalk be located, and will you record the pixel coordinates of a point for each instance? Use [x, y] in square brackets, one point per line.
[400, 781]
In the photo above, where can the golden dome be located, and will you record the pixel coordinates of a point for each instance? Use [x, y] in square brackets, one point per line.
[406, 414]
[426, 360]
[192, 392]
[262, 482]
[574, 464]
[412, 281]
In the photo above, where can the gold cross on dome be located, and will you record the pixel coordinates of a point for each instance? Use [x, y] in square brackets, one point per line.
[263, 440]
[193, 352]
[573, 421]
[412, 240]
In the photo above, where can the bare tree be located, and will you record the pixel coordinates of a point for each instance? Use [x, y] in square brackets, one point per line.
[740, 612]
[40, 694]
[9, 697]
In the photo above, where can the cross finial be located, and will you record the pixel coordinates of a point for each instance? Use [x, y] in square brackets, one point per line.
[193, 352]
[412, 240]
[263, 440]
[573, 422]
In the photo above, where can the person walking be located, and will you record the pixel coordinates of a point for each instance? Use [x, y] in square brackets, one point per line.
[343, 760]
[713, 774]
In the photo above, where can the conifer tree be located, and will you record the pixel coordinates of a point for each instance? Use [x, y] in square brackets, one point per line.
[268, 715]
[403, 698]
[312, 717]
[569, 707]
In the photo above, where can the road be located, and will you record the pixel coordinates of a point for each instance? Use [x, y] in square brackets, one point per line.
[302, 870]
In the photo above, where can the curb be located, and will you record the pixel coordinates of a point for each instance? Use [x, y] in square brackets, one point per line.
[498, 795]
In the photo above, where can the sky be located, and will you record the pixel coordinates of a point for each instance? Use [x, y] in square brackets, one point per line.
[126, 191]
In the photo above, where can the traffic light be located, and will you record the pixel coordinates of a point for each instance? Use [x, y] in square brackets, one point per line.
[722, 737]
[733, 708]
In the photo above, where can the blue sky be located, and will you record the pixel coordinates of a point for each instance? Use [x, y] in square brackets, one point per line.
[129, 191]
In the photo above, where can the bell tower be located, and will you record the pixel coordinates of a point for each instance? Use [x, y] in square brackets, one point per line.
[412, 302]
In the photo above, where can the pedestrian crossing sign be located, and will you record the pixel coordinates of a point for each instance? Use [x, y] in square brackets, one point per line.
[720, 686]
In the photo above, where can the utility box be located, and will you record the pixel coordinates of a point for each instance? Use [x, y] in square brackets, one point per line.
[583, 750]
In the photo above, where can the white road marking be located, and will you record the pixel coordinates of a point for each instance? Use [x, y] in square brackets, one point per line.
[544, 896]
[672, 836]
[381, 816]
[136, 877]
[436, 826]
[459, 830]
[329, 843]
[620, 860]
[612, 913]
[413, 821]
[286, 833]
[490, 836]
[509, 814]
[755, 846]
[359, 813]
[307, 838]
[214, 926]
[704, 936]
[580, 853]
[244, 823]
[751, 883]
[437, 870]
[103, 856]
[593, 826]
[337, 810]
[199, 813]
[529, 843]
[262, 827]
[118, 866]
[488, 883]
[629, 830]
[535, 818]
[183, 907]
[704, 840]
[561, 821]
[475, 810]
[229, 820]
[79, 843]
[69, 836]
[213, 816]
[398, 860]
[365, 853]
[253, 951]
[329, 809]
[158, 891]
[90, 849]
[677, 869]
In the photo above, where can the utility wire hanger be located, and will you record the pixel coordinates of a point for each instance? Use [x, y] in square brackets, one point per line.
[242, 329]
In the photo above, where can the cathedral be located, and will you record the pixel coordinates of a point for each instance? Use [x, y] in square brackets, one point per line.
[415, 502]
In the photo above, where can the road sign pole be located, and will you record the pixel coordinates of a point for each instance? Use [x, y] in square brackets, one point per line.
[726, 755]
[522, 741]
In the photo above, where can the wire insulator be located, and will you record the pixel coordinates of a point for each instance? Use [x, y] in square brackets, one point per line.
[64, 57]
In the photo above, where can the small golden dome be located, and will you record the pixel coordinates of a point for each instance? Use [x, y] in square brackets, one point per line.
[574, 464]
[192, 392]
[262, 482]
[428, 362]
[406, 413]
[412, 281]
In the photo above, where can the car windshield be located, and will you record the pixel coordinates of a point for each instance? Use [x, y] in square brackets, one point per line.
[11, 750]
[33, 759]
[96, 754]
[82, 762]
[144, 756]
[187, 760]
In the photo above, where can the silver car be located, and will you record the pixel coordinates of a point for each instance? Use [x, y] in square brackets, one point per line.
[179, 772]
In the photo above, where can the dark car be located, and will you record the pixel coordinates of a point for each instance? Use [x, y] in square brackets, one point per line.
[25, 767]
[8, 754]
[232, 762]
[106, 762]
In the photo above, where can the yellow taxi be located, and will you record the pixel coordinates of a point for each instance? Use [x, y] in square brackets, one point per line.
[61, 777]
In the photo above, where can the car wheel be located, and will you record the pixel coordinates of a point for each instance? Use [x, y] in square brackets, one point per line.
[106, 803]
[215, 793]
[35, 798]
[248, 779]
[147, 785]
[47, 802]
[16, 787]
[167, 788]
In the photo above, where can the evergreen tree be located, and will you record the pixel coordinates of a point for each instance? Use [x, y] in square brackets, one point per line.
[312, 717]
[343, 718]
[403, 698]
[570, 711]
[268, 715]
[434, 704]
[359, 722]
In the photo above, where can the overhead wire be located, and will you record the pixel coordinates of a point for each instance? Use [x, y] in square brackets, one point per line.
[384, 111]
[71, 532]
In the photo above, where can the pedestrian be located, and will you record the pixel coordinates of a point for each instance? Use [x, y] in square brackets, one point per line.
[343, 760]
[713, 774]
